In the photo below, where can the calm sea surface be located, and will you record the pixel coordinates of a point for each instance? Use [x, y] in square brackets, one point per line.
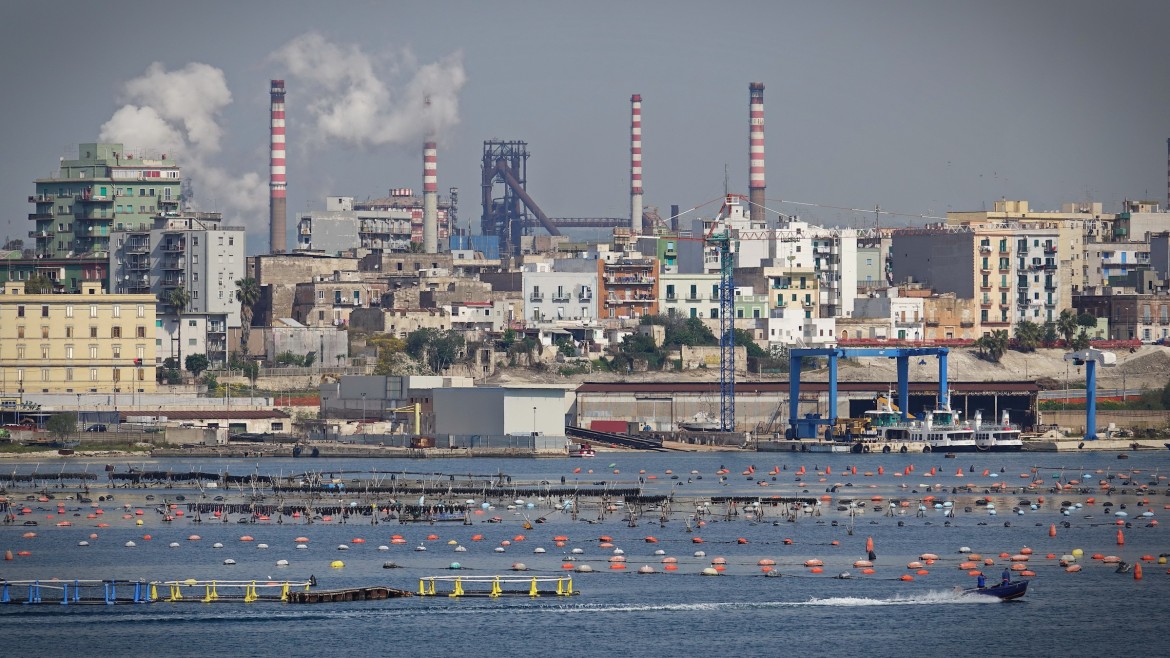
[739, 613]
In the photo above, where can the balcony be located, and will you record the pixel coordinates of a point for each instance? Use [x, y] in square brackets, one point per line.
[561, 298]
[629, 280]
[640, 299]
[41, 198]
[38, 234]
[672, 298]
[536, 297]
[1050, 249]
[93, 198]
[174, 264]
[40, 216]
[985, 249]
[136, 248]
[906, 324]
[585, 297]
[966, 325]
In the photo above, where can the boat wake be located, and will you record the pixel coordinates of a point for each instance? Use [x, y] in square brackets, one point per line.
[933, 597]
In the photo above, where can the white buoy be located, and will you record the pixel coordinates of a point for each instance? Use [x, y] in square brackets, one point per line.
[383, 547]
[342, 547]
[660, 552]
[519, 566]
[460, 549]
[646, 569]
[618, 551]
[85, 543]
[583, 568]
[173, 544]
[302, 547]
[130, 544]
[538, 550]
[282, 563]
[217, 545]
[229, 561]
[700, 553]
[709, 571]
[420, 547]
[261, 546]
[499, 549]
[578, 551]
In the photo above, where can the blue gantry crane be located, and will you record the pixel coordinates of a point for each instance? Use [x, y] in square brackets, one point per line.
[807, 427]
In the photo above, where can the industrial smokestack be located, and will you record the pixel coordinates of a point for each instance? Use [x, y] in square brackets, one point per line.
[636, 163]
[756, 152]
[430, 198]
[277, 205]
[1168, 174]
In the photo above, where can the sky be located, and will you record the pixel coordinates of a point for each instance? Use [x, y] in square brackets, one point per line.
[917, 106]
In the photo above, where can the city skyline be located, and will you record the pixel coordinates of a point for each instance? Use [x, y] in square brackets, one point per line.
[914, 107]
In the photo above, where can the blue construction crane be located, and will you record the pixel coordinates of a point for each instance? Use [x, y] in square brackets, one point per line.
[726, 329]
[806, 428]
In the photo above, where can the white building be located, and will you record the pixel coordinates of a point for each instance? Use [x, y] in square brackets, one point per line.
[567, 292]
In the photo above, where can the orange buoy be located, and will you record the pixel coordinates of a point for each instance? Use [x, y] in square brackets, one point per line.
[301, 540]
[8, 555]
[922, 572]
[906, 577]
[814, 563]
[1052, 530]
[834, 543]
[816, 570]
[1073, 568]
[696, 540]
[869, 544]
[741, 540]
[1120, 538]
[651, 540]
[869, 571]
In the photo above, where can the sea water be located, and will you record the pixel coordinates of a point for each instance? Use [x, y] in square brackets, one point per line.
[681, 613]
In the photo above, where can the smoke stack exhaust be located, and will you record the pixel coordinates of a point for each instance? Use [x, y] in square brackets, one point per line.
[636, 163]
[756, 152]
[277, 204]
[430, 198]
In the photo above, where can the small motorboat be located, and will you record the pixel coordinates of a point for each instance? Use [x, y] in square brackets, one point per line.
[1003, 591]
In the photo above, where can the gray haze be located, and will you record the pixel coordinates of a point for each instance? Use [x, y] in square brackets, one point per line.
[921, 107]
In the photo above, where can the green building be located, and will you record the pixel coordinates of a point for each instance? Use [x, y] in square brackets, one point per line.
[103, 190]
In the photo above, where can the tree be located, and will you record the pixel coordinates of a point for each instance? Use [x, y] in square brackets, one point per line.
[1081, 342]
[1087, 322]
[62, 425]
[1049, 334]
[437, 349]
[15, 244]
[309, 360]
[1066, 326]
[248, 294]
[251, 370]
[196, 363]
[1028, 335]
[178, 299]
[38, 284]
[1166, 396]
[744, 337]
[993, 345]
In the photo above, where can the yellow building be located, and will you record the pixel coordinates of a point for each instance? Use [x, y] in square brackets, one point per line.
[90, 342]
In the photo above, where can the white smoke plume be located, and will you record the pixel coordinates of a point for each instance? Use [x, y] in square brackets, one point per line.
[355, 101]
[177, 113]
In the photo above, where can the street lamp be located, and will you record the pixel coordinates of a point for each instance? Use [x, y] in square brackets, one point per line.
[534, 427]
[79, 418]
[363, 417]
[324, 417]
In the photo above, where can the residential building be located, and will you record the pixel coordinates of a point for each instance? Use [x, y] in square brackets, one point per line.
[388, 224]
[88, 342]
[329, 300]
[1131, 315]
[627, 287]
[564, 291]
[189, 250]
[1110, 263]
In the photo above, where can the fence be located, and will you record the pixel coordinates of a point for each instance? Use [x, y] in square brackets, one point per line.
[1121, 419]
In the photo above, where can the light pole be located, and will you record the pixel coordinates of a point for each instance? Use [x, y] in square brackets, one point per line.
[79, 418]
[534, 427]
[363, 417]
[324, 417]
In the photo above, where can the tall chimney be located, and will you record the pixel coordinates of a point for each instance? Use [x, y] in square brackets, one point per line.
[1168, 175]
[277, 205]
[636, 163]
[756, 152]
[430, 198]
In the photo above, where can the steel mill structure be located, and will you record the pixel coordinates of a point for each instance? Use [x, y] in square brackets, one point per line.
[756, 184]
[277, 204]
[430, 198]
[636, 163]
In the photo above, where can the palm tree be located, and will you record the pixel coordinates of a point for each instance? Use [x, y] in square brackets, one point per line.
[248, 294]
[1028, 335]
[178, 299]
[1066, 326]
[994, 344]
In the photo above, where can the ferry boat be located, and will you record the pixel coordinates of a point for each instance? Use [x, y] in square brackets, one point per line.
[943, 433]
[939, 431]
[1004, 437]
[886, 432]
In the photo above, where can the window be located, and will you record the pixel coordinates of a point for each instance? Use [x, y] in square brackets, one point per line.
[68, 351]
[20, 332]
[140, 332]
[141, 310]
[69, 311]
[93, 349]
[44, 374]
[69, 374]
[141, 376]
[140, 351]
[44, 332]
[191, 323]
[44, 351]
[20, 311]
[117, 311]
[44, 311]
[93, 310]
[115, 332]
[192, 342]
[117, 351]
[93, 332]
[69, 332]
[93, 374]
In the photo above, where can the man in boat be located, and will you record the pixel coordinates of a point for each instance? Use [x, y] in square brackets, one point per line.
[1006, 576]
[981, 582]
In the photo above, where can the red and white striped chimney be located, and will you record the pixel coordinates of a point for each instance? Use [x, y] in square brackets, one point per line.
[277, 205]
[756, 152]
[1168, 175]
[636, 163]
[430, 198]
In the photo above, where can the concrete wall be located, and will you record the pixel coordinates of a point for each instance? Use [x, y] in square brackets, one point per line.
[944, 261]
